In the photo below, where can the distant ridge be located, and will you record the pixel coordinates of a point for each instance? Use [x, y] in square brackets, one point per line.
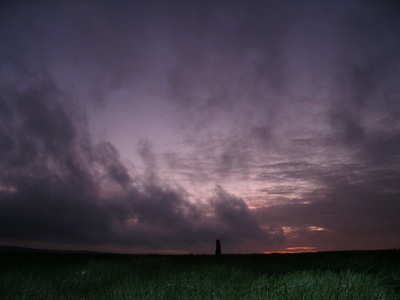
[14, 249]
[7, 249]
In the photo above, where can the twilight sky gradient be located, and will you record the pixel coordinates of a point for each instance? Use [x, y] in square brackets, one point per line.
[160, 126]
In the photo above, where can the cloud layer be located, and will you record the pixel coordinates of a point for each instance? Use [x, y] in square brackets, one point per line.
[167, 125]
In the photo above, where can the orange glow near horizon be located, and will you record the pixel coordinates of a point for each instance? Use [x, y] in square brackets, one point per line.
[293, 250]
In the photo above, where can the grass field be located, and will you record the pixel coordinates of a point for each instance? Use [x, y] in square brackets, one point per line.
[329, 275]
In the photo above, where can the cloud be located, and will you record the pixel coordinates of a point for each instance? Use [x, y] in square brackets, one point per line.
[58, 186]
[228, 64]
[233, 213]
[361, 207]
[289, 107]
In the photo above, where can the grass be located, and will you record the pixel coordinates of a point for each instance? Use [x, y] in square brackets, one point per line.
[335, 275]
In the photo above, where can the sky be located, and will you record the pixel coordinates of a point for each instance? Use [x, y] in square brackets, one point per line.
[161, 126]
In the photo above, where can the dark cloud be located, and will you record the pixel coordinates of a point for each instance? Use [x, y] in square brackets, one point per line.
[108, 157]
[47, 181]
[234, 57]
[242, 66]
[367, 67]
[58, 186]
[234, 213]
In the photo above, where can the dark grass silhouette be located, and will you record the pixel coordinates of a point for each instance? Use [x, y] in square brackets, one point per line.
[330, 275]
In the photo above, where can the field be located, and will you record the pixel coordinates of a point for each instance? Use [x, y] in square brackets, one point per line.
[327, 275]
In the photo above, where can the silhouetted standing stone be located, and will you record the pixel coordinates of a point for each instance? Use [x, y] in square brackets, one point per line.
[218, 248]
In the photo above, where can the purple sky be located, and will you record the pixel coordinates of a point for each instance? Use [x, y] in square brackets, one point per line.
[161, 126]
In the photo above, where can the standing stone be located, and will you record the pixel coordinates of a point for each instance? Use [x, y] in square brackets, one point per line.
[218, 248]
